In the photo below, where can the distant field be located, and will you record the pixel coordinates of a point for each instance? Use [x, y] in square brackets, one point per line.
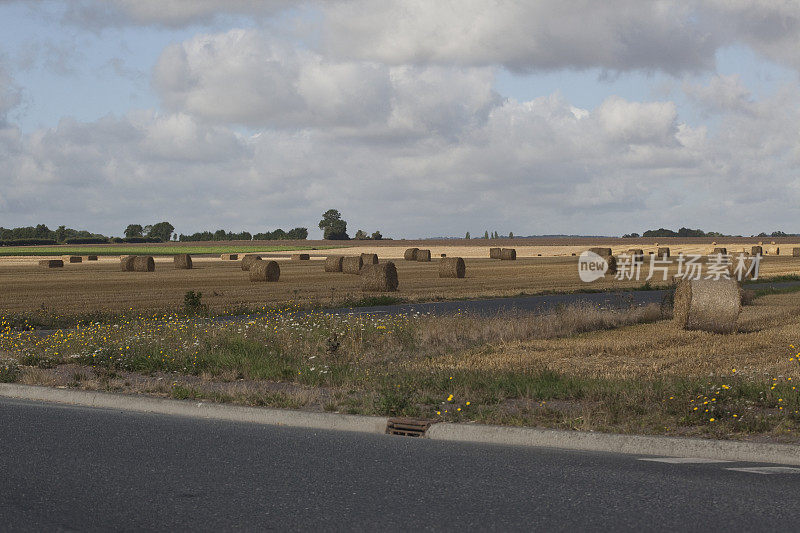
[101, 286]
[147, 249]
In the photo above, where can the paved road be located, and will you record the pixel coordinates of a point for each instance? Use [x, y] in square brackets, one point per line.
[72, 468]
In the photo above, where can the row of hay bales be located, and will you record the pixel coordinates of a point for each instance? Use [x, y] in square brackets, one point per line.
[504, 254]
[59, 263]
[416, 254]
[375, 276]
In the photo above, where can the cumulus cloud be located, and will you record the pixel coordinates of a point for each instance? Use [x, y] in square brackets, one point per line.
[174, 13]
[619, 35]
[721, 94]
[242, 77]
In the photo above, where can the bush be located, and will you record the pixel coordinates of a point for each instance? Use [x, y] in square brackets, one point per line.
[136, 240]
[27, 242]
[86, 240]
[9, 372]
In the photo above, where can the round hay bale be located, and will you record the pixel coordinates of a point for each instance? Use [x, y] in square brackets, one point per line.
[494, 253]
[369, 259]
[508, 254]
[410, 254]
[663, 252]
[182, 261]
[795, 252]
[265, 271]
[248, 260]
[723, 251]
[229, 257]
[707, 305]
[126, 263]
[352, 264]
[379, 277]
[442, 255]
[333, 263]
[301, 257]
[757, 250]
[612, 264]
[773, 243]
[452, 267]
[423, 256]
[72, 259]
[143, 263]
[637, 254]
[602, 252]
[91, 258]
[713, 243]
[51, 263]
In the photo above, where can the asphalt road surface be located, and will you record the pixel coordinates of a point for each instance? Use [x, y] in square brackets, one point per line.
[72, 468]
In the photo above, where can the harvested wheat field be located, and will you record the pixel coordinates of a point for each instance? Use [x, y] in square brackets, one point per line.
[101, 285]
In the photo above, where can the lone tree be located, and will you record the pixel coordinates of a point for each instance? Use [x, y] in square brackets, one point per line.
[332, 226]
[134, 230]
[162, 230]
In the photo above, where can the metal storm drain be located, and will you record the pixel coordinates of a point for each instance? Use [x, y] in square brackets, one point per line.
[408, 427]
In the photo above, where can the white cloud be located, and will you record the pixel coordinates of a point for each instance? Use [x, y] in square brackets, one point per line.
[721, 94]
[276, 86]
[619, 35]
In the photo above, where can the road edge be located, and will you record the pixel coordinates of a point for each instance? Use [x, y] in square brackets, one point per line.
[196, 409]
[472, 433]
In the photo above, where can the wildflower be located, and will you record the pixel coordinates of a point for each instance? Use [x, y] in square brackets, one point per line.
[711, 419]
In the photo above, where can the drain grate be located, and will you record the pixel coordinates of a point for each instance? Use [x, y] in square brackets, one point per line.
[408, 427]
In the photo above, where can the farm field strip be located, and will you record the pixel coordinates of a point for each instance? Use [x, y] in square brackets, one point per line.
[101, 286]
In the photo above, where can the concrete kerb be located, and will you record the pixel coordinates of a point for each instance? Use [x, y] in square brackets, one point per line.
[197, 409]
[475, 433]
[627, 444]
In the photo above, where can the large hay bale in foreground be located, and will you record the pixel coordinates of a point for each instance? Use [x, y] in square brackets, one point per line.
[410, 254]
[722, 251]
[379, 277]
[708, 305]
[182, 261]
[91, 258]
[265, 271]
[663, 252]
[423, 256]
[126, 263]
[248, 260]
[795, 252]
[333, 263]
[494, 253]
[602, 252]
[452, 267]
[72, 259]
[301, 257]
[229, 257]
[51, 263]
[352, 264]
[508, 254]
[757, 250]
[144, 263]
[369, 259]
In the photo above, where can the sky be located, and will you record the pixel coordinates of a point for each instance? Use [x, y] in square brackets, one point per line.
[412, 117]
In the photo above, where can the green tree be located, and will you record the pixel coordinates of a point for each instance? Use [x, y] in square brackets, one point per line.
[377, 236]
[332, 225]
[510, 234]
[134, 230]
[162, 230]
[467, 236]
[486, 235]
[361, 235]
